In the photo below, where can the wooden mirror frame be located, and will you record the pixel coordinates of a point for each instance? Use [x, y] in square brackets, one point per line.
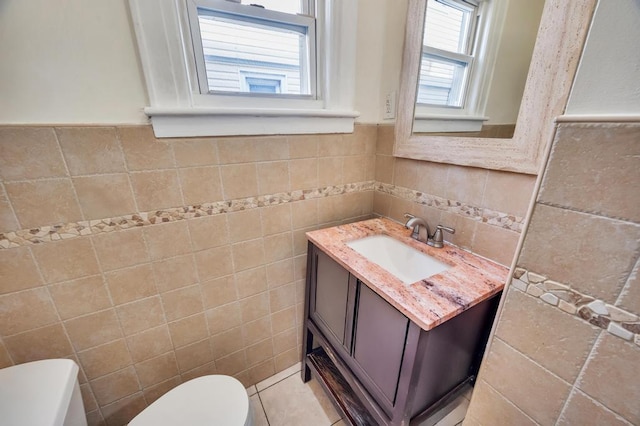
[563, 30]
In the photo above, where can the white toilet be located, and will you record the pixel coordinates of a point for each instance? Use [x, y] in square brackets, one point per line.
[47, 393]
[43, 393]
[206, 400]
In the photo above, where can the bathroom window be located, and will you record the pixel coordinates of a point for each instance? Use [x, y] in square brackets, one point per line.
[247, 67]
[447, 52]
[277, 38]
[456, 63]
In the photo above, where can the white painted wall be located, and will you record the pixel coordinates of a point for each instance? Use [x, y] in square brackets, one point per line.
[608, 78]
[75, 61]
[392, 50]
[371, 33]
[70, 61]
[512, 64]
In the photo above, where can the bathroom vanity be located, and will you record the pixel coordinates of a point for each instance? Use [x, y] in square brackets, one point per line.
[390, 352]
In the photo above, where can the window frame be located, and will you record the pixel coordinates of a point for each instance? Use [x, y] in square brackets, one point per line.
[467, 57]
[491, 15]
[178, 109]
[251, 14]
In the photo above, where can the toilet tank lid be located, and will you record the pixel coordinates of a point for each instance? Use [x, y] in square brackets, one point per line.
[37, 393]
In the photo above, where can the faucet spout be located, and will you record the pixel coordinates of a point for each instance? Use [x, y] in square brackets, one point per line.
[415, 223]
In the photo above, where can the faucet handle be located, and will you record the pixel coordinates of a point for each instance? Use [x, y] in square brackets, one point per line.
[409, 216]
[437, 240]
[445, 228]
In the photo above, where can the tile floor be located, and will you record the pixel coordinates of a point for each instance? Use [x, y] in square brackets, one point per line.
[283, 400]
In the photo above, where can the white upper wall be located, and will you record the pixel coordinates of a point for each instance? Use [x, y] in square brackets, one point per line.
[608, 79]
[512, 64]
[71, 61]
[76, 62]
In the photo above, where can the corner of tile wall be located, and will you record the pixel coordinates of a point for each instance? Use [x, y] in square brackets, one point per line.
[571, 314]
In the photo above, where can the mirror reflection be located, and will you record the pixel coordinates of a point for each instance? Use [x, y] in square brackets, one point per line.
[473, 67]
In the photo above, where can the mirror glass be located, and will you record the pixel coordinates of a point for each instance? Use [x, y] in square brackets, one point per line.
[473, 67]
[563, 29]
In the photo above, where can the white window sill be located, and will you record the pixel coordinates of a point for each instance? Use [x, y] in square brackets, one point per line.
[192, 122]
[447, 123]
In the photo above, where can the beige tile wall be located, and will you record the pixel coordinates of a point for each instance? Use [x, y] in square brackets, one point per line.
[479, 190]
[145, 308]
[548, 364]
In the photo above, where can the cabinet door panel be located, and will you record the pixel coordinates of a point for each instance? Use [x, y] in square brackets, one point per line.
[379, 341]
[331, 295]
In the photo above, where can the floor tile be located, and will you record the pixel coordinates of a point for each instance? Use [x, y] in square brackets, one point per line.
[251, 390]
[270, 381]
[259, 417]
[451, 414]
[292, 403]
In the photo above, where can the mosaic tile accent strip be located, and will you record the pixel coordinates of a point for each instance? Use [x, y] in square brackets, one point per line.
[620, 323]
[65, 231]
[490, 217]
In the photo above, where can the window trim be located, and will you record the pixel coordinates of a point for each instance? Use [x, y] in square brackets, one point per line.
[178, 109]
[250, 14]
[485, 41]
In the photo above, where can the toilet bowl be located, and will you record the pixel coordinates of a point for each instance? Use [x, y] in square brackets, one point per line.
[206, 400]
[42, 393]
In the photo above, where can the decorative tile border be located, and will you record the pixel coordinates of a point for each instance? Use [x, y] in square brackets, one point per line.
[616, 321]
[65, 231]
[490, 217]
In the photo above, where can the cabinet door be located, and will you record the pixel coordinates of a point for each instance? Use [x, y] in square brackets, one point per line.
[330, 298]
[379, 343]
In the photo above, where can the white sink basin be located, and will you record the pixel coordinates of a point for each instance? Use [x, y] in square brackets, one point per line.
[406, 263]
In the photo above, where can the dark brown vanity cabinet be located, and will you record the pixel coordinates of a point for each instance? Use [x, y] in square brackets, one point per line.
[378, 366]
[334, 289]
[379, 344]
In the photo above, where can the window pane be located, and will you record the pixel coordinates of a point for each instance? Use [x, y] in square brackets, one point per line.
[447, 26]
[237, 48]
[286, 6]
[441, 81]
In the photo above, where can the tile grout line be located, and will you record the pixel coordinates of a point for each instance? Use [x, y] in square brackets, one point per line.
[627, 283]
[201, 292]
[9, 203]
[66, 167]
[588, 213]
[579, 375]
[575, 386]
[509, 402]
[284, 378]
[263, 409]
[528, 358]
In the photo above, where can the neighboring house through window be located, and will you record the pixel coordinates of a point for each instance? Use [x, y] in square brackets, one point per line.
[234, 40]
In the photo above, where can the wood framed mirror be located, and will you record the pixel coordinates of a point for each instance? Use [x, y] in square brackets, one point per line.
[563, 29]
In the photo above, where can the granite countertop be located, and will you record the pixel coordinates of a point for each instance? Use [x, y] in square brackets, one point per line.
[429, 302]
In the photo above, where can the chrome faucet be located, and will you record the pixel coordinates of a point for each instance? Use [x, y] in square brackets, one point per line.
[434, 240]
[415, 223]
